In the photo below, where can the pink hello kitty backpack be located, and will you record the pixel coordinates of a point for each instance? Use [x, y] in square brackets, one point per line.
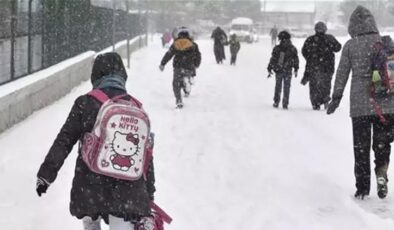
[119, 145]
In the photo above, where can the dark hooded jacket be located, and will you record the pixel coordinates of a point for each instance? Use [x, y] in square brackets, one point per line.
[219, 36]
[92, 194]
[357, 58]
[235, 46]
[186, 52]
[284, 58]
[318, 51]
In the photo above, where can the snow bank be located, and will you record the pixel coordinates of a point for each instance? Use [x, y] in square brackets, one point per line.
[22, 97]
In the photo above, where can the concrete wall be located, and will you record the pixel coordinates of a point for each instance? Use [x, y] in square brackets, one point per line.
[22, 97]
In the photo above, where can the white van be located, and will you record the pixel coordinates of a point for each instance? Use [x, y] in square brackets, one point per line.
[243, 28]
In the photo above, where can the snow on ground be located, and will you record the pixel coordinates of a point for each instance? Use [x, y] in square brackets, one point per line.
[228, 160]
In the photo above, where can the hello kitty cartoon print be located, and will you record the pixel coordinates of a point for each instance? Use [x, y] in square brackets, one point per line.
[125, 146]
[119, 145]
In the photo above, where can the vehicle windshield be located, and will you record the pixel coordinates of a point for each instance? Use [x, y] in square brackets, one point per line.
[240, 27]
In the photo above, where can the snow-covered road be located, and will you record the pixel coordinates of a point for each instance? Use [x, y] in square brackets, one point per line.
[228, 160]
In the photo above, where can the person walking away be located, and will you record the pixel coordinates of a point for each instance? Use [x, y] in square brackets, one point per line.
[283, 61]
[274, 35]
[166, 38]
[235, 46]
[187, 58]
[318, 51]
[96, 196]
[220, 39]
[357, 57]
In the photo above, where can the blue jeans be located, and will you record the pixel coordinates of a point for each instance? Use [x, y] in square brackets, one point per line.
[286, 79]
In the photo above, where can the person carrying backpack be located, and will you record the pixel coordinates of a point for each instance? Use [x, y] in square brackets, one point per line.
[284, 60]
[104, 185]
[366, 107]
[235, 46]
[187, 58]
[318, 51]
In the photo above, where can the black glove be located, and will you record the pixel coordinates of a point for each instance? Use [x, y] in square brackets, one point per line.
[333, 105]
[41, 186]
[269, 74]
[304, 80]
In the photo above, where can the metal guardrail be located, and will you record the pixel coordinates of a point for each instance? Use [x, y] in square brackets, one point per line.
[36, 34]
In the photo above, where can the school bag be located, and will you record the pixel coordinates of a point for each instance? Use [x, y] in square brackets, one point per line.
[382, 84]
[285, 60]
[119, 144]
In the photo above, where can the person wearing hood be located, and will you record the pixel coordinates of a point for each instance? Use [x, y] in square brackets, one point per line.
[95, 196]
[187, 58]
[220, 40]
[235, 46]
[284, 60]
[357, 57]
[318, 51]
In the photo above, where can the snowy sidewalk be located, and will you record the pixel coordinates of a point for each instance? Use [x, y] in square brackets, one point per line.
[228, 160]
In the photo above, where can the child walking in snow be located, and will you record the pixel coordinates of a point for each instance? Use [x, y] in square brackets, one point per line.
[283, 61]
[95, 196]
[235, 46]
[369, 130]
[187, 59]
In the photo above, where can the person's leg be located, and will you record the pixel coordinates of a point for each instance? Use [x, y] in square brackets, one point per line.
[382, 138]
[326, 88]
[116, 223]
[89, 224]
[278, 89]
[286, 90]
[220, 53]
[323, 86]
[223, 52]
[361, 146]
[186, 85]
[216, 52]
[313, 94]
[177, 85]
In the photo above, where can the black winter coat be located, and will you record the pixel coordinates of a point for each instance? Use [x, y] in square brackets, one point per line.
[318, 51]
[235, 46]
[186, 52]
[92, 194]
[284, 58]
[219, 36]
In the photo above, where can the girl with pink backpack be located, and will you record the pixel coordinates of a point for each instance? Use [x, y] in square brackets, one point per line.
[114, 175]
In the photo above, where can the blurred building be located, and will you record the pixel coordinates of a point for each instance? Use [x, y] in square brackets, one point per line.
[288, 14]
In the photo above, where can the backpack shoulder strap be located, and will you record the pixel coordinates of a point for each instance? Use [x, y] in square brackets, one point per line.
[133, 100]
[164, 216]
[102, 97]
[99, 95]
[136, 102]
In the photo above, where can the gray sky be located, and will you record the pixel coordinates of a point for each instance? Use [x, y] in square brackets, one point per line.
[302, 1]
